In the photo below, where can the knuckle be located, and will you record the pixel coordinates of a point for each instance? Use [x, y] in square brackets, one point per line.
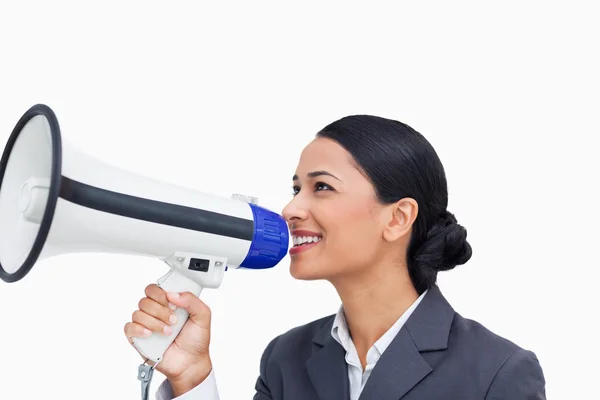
[137, 316]
[143, 303]
[150, 289]
[157, 294]
[205, 308]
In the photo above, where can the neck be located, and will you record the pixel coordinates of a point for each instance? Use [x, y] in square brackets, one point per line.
[373, 302]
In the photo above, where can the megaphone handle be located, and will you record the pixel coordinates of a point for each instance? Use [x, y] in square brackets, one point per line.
[155, 346]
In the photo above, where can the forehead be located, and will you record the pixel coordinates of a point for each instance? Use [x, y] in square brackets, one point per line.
[323, 153]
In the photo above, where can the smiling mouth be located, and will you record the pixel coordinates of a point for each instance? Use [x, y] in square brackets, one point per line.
[305, 240]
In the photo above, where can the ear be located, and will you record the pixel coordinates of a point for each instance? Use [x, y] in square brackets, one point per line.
[403, 215]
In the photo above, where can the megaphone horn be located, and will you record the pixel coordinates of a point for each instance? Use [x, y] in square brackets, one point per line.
[57, 200]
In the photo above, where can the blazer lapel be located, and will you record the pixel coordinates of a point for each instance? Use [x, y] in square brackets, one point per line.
[401, 365]
[327, 367]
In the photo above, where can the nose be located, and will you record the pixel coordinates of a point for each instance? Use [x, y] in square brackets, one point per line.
[294, 211]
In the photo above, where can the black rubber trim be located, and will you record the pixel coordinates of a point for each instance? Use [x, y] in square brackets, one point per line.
[155, 211]
[55, 179]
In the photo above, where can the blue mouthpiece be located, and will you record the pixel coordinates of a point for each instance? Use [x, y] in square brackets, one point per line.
[270, 241]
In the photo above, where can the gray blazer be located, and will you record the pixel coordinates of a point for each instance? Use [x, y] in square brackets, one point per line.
[437, 355]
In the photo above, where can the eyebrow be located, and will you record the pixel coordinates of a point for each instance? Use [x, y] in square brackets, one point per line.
[314, 174]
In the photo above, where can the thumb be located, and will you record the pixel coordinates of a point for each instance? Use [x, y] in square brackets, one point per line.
[198, 311]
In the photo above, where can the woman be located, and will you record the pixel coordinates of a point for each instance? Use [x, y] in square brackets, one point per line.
[368, 215]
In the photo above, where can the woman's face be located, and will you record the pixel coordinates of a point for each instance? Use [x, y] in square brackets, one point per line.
[335, 220]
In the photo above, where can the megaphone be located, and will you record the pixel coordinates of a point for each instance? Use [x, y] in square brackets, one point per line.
[57, 200]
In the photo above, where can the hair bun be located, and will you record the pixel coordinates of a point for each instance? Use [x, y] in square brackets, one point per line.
[445, 246]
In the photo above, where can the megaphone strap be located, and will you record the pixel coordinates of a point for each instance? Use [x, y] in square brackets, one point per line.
[145, 373]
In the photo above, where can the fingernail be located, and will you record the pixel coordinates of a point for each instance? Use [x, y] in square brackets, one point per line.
[147, 332]
[173, 319]
[174, 294]
[167, 330]
[172, 306]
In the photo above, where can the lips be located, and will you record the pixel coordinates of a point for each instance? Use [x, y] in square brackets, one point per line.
[304, 240]
[301, 232]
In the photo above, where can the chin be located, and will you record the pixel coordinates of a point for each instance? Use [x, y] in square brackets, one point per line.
[306, 270]
[313, 269]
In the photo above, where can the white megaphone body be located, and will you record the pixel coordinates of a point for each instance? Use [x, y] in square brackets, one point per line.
[56, 200]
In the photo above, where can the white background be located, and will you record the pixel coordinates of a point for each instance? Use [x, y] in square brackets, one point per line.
[223, 98]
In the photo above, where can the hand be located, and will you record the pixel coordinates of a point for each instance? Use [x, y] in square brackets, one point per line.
[186, 363]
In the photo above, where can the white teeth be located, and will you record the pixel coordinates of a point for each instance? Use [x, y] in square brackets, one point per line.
[298, 240]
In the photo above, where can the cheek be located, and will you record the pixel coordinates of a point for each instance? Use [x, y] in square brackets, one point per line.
[353, 229]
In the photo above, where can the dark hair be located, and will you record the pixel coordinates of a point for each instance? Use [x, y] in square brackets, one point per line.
[401, 163]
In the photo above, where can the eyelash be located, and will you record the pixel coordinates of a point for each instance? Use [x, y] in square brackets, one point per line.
[296, 189]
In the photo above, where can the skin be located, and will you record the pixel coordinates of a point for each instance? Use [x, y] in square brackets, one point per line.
[361, 253]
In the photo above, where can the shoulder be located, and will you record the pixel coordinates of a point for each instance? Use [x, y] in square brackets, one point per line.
[511, 369]
[465, 331]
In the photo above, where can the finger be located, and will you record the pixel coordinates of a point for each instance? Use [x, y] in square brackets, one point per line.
[158, 311]
[149, 322]
[135, 330]
[159, 295]
[198, 311]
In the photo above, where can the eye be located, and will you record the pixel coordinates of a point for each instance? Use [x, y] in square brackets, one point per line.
[319, 186]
